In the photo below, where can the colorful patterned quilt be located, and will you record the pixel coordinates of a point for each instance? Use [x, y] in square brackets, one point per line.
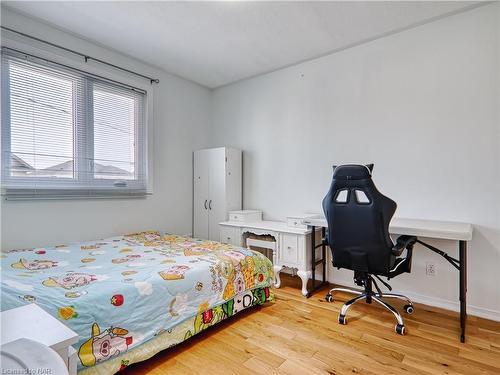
[123, 292]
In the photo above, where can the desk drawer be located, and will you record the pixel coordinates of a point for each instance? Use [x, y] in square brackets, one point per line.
[294, 222]
[230, 235]
[236, 217]
[289, 249]
[245, 216]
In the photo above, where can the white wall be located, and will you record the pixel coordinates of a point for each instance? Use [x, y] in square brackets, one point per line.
[421, 104]
[181, 124]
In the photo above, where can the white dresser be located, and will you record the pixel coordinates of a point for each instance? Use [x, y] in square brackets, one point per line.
[291, 248]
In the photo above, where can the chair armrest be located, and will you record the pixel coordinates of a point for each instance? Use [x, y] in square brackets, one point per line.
[403, 242]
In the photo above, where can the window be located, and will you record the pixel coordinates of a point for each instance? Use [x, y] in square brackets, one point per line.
[68, 133]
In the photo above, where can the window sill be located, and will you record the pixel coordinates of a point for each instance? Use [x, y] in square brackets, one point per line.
[22, 195]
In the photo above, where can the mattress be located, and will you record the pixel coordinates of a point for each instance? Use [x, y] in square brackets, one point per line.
[130, 296]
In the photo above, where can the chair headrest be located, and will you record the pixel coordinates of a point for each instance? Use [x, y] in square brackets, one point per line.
[352, 172]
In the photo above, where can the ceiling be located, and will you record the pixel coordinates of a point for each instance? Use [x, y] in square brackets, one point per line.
[216, 43]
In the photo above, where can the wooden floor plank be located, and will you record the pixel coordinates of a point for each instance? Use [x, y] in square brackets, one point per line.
[296, 335]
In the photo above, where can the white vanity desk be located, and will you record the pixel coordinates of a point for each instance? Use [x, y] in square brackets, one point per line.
[291, 249]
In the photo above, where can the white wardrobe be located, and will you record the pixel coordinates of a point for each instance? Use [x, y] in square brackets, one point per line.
[217, 189]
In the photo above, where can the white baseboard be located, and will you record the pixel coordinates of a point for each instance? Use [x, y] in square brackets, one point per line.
[450, 305]
[453, 305]
[438, 302]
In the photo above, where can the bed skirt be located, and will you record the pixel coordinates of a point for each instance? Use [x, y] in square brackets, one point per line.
[183, 331]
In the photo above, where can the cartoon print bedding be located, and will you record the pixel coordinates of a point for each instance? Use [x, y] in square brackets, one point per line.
[131, 296]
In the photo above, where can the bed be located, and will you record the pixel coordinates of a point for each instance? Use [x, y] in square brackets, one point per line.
[131, 296]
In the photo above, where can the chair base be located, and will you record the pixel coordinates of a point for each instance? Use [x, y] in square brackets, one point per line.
[377, 297]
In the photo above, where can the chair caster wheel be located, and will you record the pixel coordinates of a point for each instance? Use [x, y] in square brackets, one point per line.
[400, 329]
[409, 309]
[342, 319]
[329, 298]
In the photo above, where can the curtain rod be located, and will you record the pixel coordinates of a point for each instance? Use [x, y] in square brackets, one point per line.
[86, 57]
[72, 69]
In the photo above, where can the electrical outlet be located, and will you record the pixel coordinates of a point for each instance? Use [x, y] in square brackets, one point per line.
[430, 269]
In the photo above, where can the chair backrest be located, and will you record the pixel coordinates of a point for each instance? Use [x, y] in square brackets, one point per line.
[358, 217]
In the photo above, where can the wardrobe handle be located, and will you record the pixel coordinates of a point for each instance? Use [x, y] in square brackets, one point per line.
[205, 204]
[210, 205]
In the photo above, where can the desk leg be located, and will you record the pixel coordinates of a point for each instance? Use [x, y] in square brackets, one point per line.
[313, 258]
[463, 287]
[304, 277]
[315, 262]
[277, 279]
[323, 252]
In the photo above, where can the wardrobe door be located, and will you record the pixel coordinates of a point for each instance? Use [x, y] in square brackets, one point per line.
[201, 198]
[217, 192]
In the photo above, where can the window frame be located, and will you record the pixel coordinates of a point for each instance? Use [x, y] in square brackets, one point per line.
[84, 183]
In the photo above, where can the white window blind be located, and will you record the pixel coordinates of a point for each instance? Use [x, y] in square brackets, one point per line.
[70, 134]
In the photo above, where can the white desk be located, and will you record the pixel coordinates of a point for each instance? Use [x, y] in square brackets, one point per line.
[290, 250]
[446, 230]
[32, 322]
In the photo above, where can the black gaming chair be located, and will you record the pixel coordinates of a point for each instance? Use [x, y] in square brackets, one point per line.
[358, 217]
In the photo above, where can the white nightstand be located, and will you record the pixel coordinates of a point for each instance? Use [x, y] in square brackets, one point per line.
[32, 322]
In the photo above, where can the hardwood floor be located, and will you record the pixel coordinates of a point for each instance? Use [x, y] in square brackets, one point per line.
[296, 335]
